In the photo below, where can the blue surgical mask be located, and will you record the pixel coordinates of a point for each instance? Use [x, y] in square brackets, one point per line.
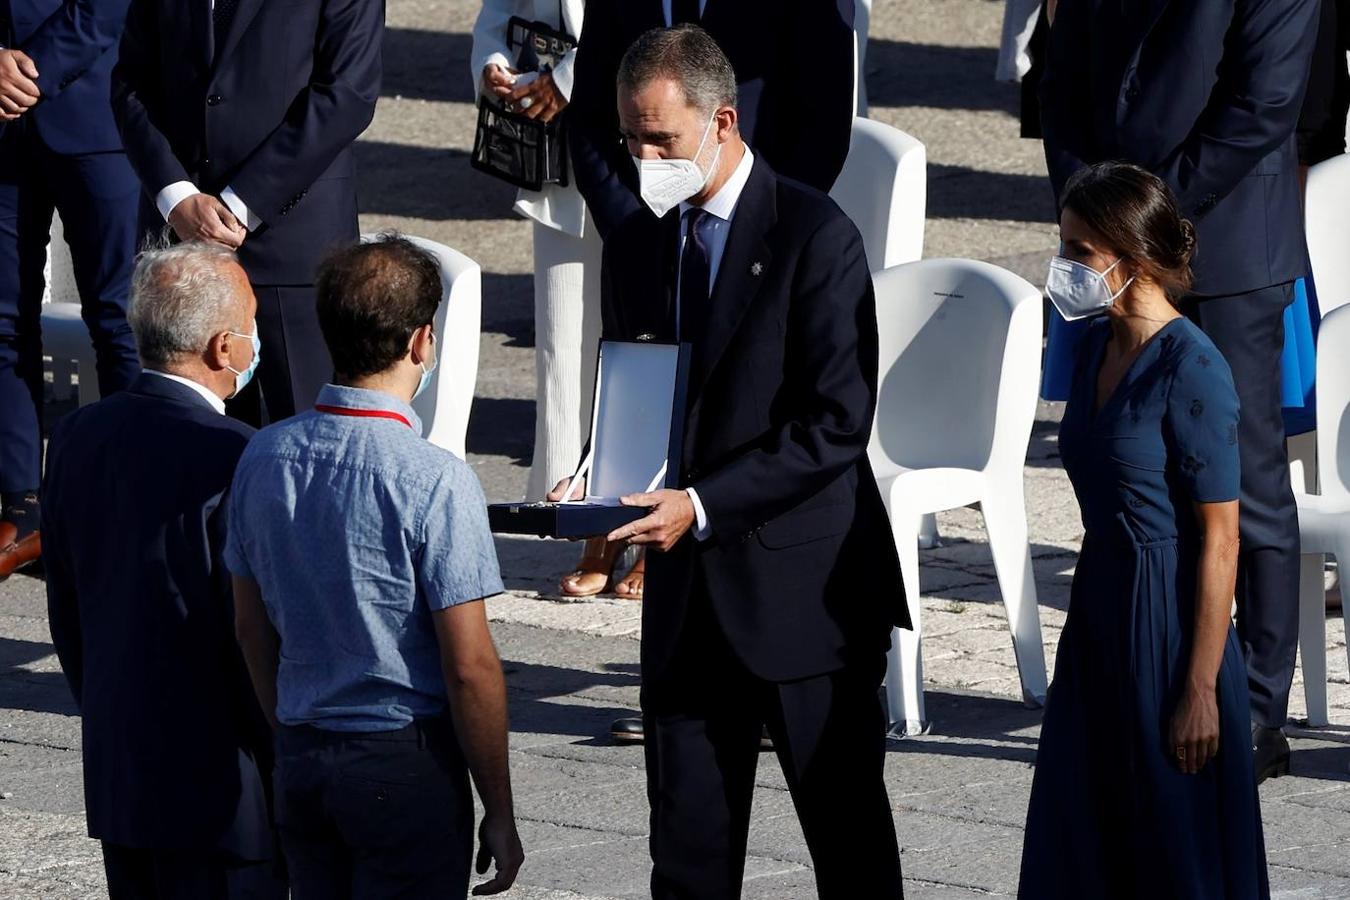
[241, 379]
[427, 370]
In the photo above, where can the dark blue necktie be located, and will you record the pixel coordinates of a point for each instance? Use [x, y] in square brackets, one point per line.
[222, 14]
[695, 274]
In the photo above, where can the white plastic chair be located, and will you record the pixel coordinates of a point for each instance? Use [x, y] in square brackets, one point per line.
[444, 406]
[862, 22]
[1327, 221]
[957, 335]
[1324, 518]
[65, 337]
[883, 188]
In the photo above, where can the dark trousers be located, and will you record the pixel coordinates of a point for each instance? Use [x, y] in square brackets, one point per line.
[703, 717]
[1248, 329]
[97, 197]
[295, 361]
[374, 815]
[137, 874]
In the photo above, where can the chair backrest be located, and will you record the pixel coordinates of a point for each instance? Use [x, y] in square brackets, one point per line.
[883, 189]
[444, 406]
[1333, 402]
[1327, 218]
[959, 365]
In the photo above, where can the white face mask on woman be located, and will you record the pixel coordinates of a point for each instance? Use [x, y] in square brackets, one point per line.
[1078, 290]
[666, 183]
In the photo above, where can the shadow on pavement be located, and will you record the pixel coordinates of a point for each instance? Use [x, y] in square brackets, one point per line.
[427, 65]
[532, 686]
[900, 73]
[427, 183]
[508, 307]
[15, 653]
[43, 692]
[960, 192]
[962, 721]
[500, 426]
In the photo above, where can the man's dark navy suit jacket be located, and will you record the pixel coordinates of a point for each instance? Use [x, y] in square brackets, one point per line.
[1205, 94]
[272, 113]
[800, 569]
[133, 524]
[74, 45]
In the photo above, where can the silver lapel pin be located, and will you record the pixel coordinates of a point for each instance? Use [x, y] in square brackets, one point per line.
[757, 268]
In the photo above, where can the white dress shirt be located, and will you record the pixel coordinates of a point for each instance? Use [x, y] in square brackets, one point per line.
[721, 209]
[666, 7]
[178, 191]
[209, 396]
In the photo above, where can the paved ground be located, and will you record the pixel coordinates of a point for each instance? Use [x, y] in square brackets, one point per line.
[959, 794]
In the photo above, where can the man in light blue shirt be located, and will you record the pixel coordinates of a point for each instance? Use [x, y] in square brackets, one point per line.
[361, 554]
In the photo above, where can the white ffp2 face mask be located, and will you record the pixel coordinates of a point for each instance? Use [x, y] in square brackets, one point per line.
[1078, 290]
[666, 183]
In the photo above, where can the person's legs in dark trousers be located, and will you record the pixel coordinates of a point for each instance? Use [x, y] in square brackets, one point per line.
[26, 207]
[703, 728]
[295, 361]
[830, 735]
[1248, 329]
[140, 874]
[97, 196]
[374, 816]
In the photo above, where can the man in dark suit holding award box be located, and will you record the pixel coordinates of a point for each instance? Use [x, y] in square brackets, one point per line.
[775, 585]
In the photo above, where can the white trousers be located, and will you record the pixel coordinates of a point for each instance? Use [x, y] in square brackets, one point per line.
[566, 339]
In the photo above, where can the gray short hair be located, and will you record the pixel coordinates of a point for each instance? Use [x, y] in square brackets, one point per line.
[180, 299]
[687, 55]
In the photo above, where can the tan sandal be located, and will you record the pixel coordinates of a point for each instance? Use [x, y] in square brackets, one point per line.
[630, 588]
[594, 573]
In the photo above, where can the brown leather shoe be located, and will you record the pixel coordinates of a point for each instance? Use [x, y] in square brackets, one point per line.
[16, 555]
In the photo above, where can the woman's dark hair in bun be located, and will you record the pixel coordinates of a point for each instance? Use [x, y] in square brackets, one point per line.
[1137, 216]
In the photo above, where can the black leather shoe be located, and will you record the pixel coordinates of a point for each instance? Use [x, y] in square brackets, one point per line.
[626, 731]
[1270, 751]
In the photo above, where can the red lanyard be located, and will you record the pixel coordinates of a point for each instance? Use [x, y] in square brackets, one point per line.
[362, 413]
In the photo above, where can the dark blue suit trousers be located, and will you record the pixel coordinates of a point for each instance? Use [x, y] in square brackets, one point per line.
[96, 194]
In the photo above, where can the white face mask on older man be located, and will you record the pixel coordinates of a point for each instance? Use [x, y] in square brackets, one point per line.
[666, 183]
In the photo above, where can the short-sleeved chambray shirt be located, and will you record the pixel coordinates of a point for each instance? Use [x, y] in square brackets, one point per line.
[356, 529]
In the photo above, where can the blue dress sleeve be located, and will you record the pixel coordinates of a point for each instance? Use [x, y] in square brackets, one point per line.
[1202, 421]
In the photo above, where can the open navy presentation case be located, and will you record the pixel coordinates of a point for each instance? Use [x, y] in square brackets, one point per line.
[637, 438]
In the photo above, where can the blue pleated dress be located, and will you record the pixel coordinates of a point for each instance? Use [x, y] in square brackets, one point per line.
[1111, 815]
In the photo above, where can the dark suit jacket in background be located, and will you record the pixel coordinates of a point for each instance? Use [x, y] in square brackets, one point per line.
[794, 74]
[1205, 94]
[272, 113]
[133, 523]
[801, 569]
[74, 43]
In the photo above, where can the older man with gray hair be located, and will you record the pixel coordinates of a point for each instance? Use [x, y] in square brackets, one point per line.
[176, 751]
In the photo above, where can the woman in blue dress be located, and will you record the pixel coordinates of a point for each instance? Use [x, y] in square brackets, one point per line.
[1144, 783]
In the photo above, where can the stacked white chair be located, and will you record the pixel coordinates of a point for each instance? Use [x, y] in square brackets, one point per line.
[883, 188]
[1324, 495]
[65, 337]
[957, 335]
[444, 406]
